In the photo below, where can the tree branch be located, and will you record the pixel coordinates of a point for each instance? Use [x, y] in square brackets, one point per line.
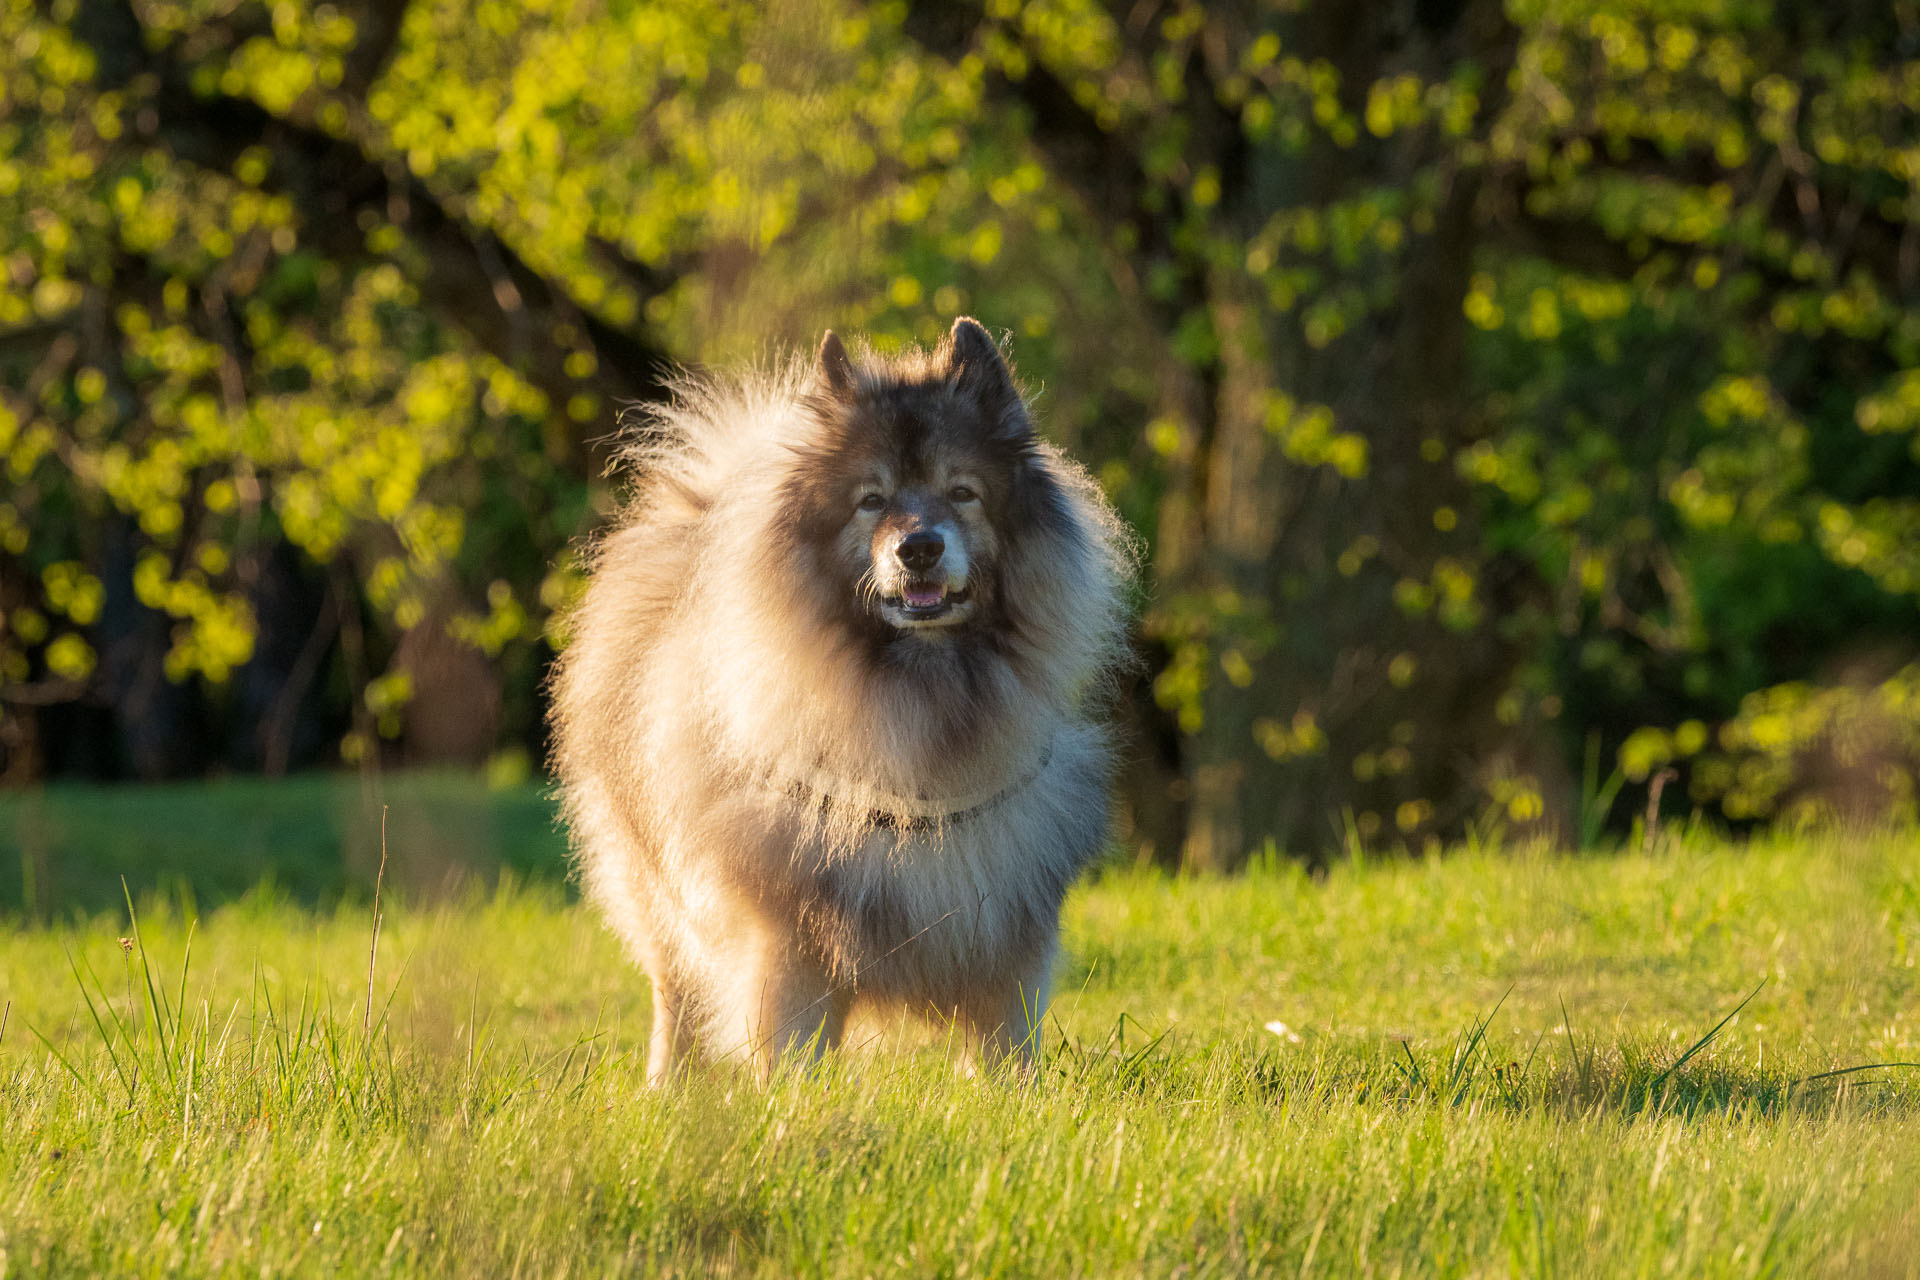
[379, 23]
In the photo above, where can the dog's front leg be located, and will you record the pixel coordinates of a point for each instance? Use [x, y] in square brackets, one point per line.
[1002, 1020]
[668, 1045]
[785, 1005]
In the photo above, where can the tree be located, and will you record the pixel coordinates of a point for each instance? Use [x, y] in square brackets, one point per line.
[1331, 209]
[246, 324]
[1298, 192]
[1495, 386]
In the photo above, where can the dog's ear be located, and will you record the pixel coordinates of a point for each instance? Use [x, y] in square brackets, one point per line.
[975, 365]
[836, 370]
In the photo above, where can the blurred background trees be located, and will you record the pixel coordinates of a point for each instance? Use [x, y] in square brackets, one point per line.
[1515, 400]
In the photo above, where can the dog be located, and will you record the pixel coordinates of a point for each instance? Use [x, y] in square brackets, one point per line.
[829, 724]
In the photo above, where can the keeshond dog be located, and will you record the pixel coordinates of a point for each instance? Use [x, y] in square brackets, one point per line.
[828, 726]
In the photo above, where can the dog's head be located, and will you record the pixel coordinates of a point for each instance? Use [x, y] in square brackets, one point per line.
[922, 473]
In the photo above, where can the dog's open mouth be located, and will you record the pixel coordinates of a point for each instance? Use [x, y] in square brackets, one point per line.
[923, 601]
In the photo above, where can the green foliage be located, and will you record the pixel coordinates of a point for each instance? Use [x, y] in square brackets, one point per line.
[1700, 450]
[219, 386]
[1811, 754]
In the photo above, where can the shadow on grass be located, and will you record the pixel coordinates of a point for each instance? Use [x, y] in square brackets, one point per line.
[1631, 1080]
[315, 839]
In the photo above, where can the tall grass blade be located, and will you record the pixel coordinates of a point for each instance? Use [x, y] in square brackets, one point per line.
[72, 1070]
[373, 946]
[154, 998]
[1702, 1042]
[1850, 1071]
[180, 999]
[106, 1037]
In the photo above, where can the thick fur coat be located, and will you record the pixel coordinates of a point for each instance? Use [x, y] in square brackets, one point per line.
[823, 725]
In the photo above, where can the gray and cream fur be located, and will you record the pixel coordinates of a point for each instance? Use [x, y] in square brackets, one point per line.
[825, 725]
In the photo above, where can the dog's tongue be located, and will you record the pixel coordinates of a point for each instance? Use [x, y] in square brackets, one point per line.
[924, 597]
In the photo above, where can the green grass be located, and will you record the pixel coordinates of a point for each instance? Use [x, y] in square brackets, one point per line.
[1494, 1063]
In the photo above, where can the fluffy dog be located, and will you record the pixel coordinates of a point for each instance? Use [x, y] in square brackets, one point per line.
[824, 728]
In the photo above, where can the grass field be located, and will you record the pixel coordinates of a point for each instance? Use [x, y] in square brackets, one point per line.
[1498, 1062]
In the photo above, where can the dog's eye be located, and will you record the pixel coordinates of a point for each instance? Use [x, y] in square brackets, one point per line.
[872, 502]
[960, 493]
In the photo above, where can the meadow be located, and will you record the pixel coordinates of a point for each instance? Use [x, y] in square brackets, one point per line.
[1504, 1060]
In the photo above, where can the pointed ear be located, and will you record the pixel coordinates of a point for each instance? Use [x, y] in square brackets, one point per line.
[836, 370]
[975, 365]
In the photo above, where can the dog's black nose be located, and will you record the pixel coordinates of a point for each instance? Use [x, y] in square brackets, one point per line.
[921, 550]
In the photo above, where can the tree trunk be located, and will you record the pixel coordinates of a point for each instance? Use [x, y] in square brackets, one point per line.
[1318, 719]
[1285, 593]
[1330, 718]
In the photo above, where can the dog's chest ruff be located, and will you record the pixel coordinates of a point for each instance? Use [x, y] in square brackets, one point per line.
[834, 800]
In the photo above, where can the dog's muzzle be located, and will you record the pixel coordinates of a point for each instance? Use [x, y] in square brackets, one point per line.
[924, 580]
